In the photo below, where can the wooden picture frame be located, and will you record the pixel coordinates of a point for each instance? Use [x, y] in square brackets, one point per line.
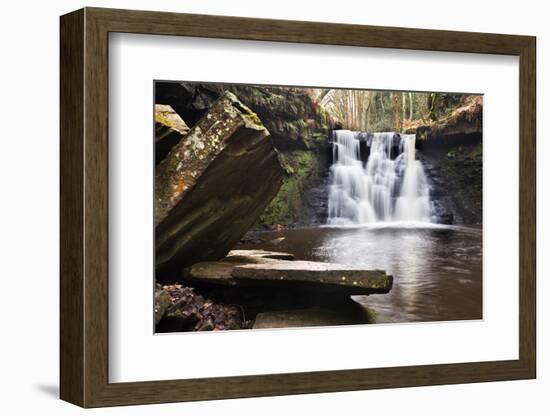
[84, 207]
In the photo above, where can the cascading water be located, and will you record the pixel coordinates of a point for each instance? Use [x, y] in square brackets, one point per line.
[382, 190]
[413, 203]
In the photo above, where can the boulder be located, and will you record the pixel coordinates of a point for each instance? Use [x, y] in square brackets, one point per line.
[212, 186]
[169, 130]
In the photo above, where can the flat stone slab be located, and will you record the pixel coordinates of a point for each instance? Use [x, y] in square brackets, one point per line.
[217, 272]
[256, 270]
[264, 254]
[300, 318]
[314, 272]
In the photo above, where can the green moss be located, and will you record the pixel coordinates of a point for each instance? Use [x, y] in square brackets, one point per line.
[301, 168]
[159, 118]
[250, 115]
[253, 117]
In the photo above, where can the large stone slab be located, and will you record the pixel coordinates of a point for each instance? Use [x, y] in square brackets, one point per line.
[262, 254]
[316, 273]
[260, 271]
[212, 186]
[299, 318]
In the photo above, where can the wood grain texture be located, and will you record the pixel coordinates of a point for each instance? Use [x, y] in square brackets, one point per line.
[71, 209]
[84, 207]
[96, 209]
[226, 27]
[527, 207]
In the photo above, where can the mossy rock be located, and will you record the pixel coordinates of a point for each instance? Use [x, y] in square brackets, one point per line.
[213, 186]
[302, 168]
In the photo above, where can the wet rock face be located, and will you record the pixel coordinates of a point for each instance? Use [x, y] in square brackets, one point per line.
[452, 154]
[212, 186]
[444, 207]
[455, 173]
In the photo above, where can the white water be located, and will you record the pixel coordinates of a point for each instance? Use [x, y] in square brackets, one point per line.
[384, 190]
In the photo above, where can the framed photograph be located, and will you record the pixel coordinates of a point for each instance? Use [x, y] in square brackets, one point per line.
[256, 207]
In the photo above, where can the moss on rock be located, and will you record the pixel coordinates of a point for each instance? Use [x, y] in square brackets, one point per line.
[302, 169]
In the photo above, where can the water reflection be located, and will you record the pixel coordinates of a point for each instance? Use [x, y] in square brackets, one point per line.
[437, 270]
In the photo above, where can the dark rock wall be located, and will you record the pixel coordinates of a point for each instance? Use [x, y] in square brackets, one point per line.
[456, 174]
[452, 152]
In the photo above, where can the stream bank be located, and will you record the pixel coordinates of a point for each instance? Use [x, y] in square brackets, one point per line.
[451, 150]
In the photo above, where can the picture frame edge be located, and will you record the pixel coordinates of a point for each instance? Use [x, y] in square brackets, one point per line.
[84, 218]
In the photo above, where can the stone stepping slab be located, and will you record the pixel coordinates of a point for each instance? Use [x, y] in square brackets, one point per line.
[259, 268]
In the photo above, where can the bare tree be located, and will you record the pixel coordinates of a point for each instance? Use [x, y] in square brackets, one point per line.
[395, 109]
[403, 105]
[348, 106]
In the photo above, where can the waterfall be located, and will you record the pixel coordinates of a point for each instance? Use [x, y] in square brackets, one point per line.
[385, 189]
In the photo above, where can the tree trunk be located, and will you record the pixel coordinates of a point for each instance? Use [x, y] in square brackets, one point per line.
[432, 99]
[403, 104]
[396, 111]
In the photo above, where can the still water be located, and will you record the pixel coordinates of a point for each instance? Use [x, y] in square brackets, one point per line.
[437, 269]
